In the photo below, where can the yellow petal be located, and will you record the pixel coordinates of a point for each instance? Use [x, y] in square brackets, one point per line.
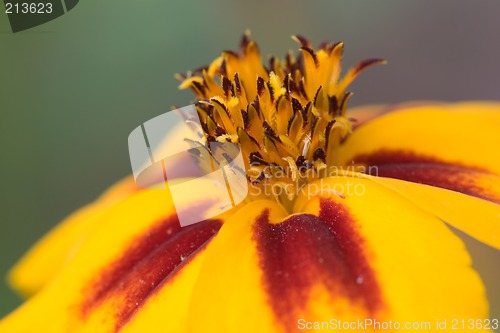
[342, 256]
[366, 254]
[46, 258]
[477, 218]
[167, 308]
[137, 246]
[451, 146]
[465, 134]
[422, 269]
[229, 296]
[362, 114]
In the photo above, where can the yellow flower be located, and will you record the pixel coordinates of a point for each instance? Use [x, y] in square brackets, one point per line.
[344, 224]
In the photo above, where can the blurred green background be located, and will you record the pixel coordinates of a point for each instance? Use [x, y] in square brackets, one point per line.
[72, 90]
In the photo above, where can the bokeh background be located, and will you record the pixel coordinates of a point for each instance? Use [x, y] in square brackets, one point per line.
[72, 90]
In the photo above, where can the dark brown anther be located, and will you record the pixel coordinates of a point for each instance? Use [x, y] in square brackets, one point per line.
[271, 90]
[300, 161]
[204, 126]
[223, 68]
[345, 98]
[306, 110]
[199, 88]
[327, 132]
[313, 124]
[299, 64]
[288, 62]
[297, 107]
[319, 154]
[220, 131]
[306, 165]
[302, 89]
[246, 120]
[208, 108]
[256, 105]
[268, 130]
[237, 83]
[253, 140]
[292, 86]
[227, 86]
[304, 42]
[260, 86]
[290, 121]
[332, 105]
[286, 83]
[316, 96]
[222, 105]
[272, 63]
[334, 46]
[256, 159]
[313, 55]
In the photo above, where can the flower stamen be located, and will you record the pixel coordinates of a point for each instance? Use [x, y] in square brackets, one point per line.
[287, 118]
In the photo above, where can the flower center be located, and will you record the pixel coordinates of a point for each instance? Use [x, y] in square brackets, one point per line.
[286, 118]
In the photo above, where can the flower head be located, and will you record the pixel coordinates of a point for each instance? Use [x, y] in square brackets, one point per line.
[352, 231]
[287, 118]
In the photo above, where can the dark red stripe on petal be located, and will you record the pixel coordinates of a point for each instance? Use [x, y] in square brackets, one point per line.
[306, 250]
[161, 266]
[149, 261]
[384, 156]
[355, 254]
[430, 171]
[109, 278]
